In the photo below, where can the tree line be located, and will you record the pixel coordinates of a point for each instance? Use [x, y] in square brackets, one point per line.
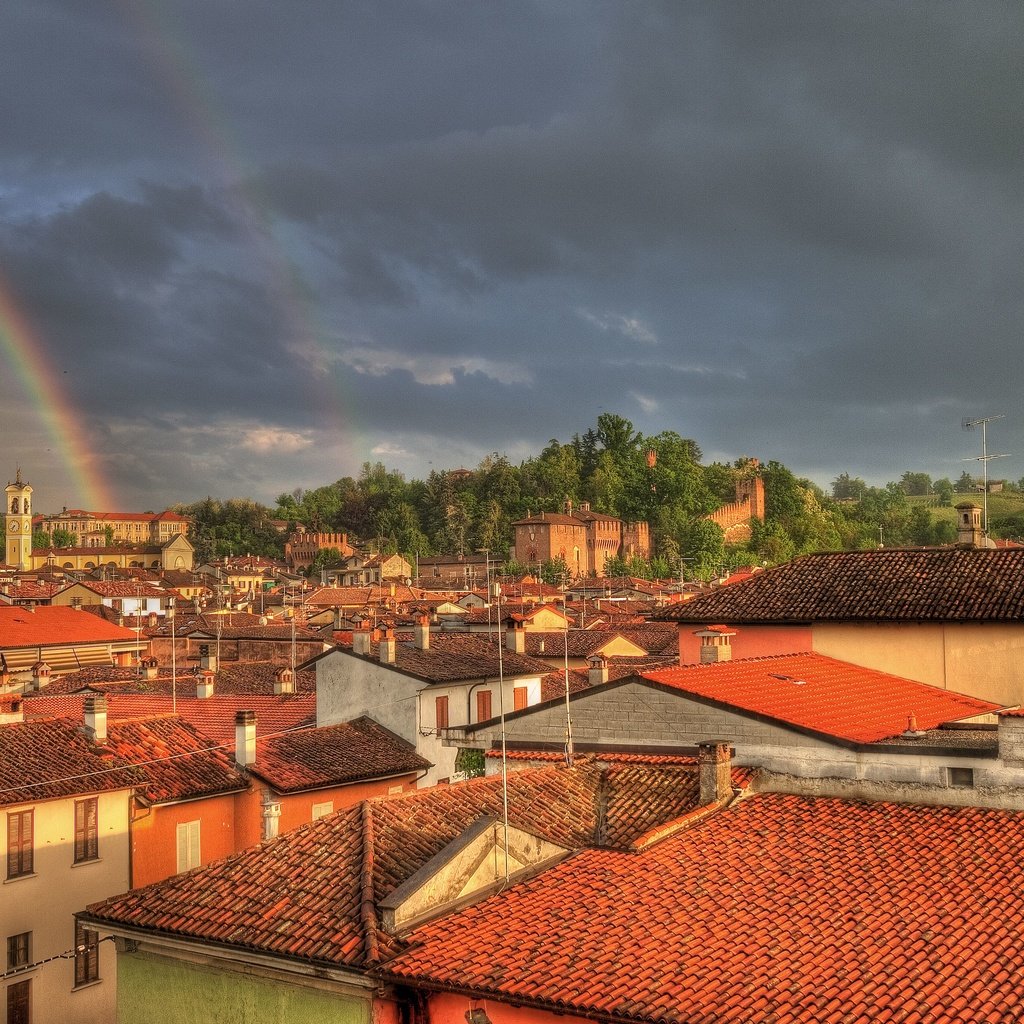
[658, 478]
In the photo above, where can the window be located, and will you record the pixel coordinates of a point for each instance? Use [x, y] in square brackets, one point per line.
[188, 845]
[87, 832]
[19, 950]
[440, 713]
[520, 697]
[483, 705]
[87, 955]
[323, 809]
[19, 844]
[960, 778]
[19, 1002]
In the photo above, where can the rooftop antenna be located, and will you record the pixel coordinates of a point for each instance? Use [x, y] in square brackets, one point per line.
[984, 459]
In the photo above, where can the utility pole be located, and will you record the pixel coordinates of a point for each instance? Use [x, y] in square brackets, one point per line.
[984, 459]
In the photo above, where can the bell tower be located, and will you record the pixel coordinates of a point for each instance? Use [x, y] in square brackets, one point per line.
[18, 524]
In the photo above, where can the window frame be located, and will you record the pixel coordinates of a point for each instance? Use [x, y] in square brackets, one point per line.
[440, 713]
[189, 839]
[87, 832]
[520, 698]
[87, 955]
[484, 701]
[19, 1002]
[19, 951]
[21, 851]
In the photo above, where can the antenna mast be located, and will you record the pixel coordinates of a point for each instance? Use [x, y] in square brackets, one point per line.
[984, 459]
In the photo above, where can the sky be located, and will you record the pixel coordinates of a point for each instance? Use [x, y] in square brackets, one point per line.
[248, 246]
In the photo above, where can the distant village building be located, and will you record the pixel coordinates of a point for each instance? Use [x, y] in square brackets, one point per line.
[583, 539]
[302, 546]
[98, 529]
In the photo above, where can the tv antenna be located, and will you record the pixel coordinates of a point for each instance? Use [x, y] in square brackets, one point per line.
[984, 458]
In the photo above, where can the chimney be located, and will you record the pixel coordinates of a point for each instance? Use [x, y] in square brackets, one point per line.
[40, 676]
[715, 644]
[204, 684]
[421, 633]
[386, 648]
[12, 710]
[597, 671]
[515, 637]
[361, 639]
[284, 681]
[150, 668]
[95, 717]
[152, 620]
[206, 658]
[245, 738]
[714, 765]
[271, 809]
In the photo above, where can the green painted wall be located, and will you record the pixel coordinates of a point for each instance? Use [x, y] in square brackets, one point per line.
[151, 988]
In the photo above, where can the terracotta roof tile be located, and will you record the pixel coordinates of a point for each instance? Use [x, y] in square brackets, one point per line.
[782, 909]
[176, 761]
[894, 585]
[47, 625]
[52, 759]
[301, 895]
[334, 755]
[823, 695]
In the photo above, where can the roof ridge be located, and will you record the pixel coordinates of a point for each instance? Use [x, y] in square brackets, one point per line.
[367, 905]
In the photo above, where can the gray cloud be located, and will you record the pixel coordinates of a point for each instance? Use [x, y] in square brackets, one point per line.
[259, 248]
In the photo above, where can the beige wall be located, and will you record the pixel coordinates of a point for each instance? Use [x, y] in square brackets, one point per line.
[984, 660]
[44, 903]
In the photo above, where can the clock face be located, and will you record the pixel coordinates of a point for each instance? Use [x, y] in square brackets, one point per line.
[15, 526]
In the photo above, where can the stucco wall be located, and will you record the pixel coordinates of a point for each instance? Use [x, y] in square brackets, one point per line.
[152, 988]
[45, 902]
[980, 659]
[633, 715]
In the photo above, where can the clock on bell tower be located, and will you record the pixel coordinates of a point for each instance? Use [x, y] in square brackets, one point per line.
[18, 524]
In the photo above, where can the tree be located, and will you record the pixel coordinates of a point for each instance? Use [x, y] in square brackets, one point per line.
[916, 483]
[944, 491]
[845, 487]
[966, 484]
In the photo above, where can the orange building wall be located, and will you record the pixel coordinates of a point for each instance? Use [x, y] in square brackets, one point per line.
[749, 642]
[449, 1008]
[155, 841]
[297, 808]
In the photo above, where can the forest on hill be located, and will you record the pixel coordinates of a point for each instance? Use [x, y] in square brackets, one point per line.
[659, 479]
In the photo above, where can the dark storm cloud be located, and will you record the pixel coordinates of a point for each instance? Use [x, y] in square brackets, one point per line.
[787, 230]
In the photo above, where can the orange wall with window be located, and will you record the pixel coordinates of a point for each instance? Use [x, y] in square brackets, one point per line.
[154, 833]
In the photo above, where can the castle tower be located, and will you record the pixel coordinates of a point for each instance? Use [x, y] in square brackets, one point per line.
[18, 524]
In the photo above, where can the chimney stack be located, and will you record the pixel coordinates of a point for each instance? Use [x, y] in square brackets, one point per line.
[515, 637]
[150, 668]
[597, 670]
[715, 644]
[95, 717]
[386, 648]
[284, 681]
[245, 738]
[204, 684]
[714, 765]
[271, 809]
[40, 675]
[361, 639]
[421, 633]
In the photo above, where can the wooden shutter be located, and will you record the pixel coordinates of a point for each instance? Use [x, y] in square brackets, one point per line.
[441, 713]
[483, 705]
[520, 697]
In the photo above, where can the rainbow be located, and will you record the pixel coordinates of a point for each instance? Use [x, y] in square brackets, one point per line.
[183, 81]
[26, 352]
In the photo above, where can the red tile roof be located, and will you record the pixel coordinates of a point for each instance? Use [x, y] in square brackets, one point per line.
[894, 585]
[213, 716]
[335, 755]
[823, 695]
[53, 759]
[782, 908]
[176, 761]
[302, 895]
[50, 625]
